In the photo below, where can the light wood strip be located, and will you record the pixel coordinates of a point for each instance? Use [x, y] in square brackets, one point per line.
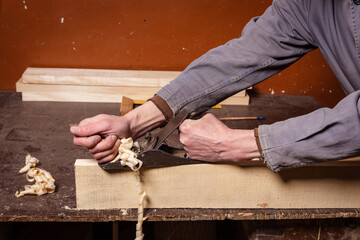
[84, 93]
[98, 77]
[101, 77]
[218, 186]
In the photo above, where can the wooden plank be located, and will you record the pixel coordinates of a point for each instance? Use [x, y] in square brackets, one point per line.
[101, 77]
[98, 77]
[218, 186]
[84, 93]
[127, 104]
[79, 93]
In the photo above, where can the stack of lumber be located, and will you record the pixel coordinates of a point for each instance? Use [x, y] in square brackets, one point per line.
[94, 85]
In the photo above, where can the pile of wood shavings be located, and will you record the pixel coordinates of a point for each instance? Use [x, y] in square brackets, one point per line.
[127, 154]
[44, 182]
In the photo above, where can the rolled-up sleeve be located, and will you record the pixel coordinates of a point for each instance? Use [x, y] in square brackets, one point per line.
[268, 44]
[323, 135]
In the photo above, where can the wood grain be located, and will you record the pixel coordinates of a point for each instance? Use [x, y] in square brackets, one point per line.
[98, 85]
[97, 93]
[218, 186]
[98, 77]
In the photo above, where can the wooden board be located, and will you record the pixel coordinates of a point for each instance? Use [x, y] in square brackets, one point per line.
[101, 77]
[218, 186]
[98, 77]
[81, 93]
[97, 93]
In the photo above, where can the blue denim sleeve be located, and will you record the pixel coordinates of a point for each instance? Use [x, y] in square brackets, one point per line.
[323, 135]
[268, 44]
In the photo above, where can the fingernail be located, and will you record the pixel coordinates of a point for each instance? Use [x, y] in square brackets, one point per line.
[113, 137]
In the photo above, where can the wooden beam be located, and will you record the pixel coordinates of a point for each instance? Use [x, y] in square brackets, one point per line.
[101, 77]
[98, 77]
[85, 93]
[97, 85]
[80, 93]
[218, 186]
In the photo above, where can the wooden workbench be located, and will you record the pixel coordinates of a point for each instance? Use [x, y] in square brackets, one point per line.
[42, 129]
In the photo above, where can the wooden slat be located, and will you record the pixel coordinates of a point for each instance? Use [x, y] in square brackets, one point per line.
[98, 77]
[101, 77]
[79, 93]
[127, 104]
[85, 93]
[218, 186]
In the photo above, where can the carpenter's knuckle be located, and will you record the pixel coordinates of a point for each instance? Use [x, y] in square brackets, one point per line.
[184, 127]
[209, 116]
[183, 140]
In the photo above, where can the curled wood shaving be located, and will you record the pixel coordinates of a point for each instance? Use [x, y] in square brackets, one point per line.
[44, 182]
[30, 162]
[127, 154]
[141, 218]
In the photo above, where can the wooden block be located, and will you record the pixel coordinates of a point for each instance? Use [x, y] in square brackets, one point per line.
[127, 104]
[85, 93]
[98, 77]
[218, 186]
[96, 85]
[79, 93]
[101, 77]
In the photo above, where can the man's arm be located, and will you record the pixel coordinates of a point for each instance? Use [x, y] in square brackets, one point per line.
[323, 135]
[268, 45]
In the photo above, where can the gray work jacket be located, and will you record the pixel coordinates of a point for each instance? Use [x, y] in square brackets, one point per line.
[284, 33]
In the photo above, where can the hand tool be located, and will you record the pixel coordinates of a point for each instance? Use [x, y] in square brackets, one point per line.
[155, 149]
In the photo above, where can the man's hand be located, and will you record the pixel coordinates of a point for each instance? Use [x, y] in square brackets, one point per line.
[208, 139]
[100, 134]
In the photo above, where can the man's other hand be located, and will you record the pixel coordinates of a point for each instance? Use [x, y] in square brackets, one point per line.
[208, 139]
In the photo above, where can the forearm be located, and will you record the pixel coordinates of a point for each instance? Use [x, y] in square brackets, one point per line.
[268, 44]
[323, 135]
[240, 145]
[144, 118]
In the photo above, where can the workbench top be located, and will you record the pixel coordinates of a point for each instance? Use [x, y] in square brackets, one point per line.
[42, 129]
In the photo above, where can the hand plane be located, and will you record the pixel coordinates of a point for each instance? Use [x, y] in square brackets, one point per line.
[161, 147]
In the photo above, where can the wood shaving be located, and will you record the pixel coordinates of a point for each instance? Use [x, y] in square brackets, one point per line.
[30, 162]
[44, 182]
[127, 154]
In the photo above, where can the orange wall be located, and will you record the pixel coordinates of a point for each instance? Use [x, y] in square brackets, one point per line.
[142, 34]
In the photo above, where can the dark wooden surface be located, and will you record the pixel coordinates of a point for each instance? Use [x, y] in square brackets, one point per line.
[42, 129]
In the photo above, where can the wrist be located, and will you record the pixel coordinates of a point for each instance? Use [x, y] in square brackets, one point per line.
[242, 145]
[143, 119]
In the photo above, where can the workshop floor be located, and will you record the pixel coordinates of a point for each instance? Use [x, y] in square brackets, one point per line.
[333, 229]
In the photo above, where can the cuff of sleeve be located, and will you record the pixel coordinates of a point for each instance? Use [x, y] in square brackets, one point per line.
[162, 105]
[266, 153]
[256, 134]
